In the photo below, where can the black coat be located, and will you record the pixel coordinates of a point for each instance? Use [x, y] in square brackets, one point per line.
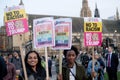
[39, 75]
[114, 61]
[3, 68]
[80, 72]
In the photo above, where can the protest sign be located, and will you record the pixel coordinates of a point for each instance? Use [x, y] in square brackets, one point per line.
[43, 30]
[16, 23]
[63, 33]
[92, 34]
[92, 25]
[93, 38]
[92, 31]
[44, 35]
[15, 20]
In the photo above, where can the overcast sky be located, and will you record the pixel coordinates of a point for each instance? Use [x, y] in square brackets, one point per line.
[107, 8]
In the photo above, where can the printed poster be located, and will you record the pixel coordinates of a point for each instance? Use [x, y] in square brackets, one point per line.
[92, 24]
[15, 20]
[63, 33]
[92, 31]
[92, 38]
[43, 30]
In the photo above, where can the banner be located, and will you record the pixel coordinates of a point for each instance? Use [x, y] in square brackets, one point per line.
[43, 30]
[15, 20]
[63, 33]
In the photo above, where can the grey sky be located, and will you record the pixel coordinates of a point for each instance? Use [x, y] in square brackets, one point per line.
[71, 8]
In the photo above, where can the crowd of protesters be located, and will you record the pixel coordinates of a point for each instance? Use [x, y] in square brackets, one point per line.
[77, 65]
[13, 65]
[85, 58]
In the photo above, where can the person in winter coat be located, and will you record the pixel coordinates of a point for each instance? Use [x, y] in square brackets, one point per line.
[35, 70]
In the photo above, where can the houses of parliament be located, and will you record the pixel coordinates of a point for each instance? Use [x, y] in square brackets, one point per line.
[110, 30]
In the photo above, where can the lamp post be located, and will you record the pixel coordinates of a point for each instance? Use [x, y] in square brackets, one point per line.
[115, 38]
[30, 37]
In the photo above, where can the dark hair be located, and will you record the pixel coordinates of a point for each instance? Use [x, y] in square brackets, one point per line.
[112, 47]
[72, 48]
[39, 60]
[9, 54]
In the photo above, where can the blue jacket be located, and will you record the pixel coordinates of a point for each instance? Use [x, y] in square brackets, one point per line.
[96, 68]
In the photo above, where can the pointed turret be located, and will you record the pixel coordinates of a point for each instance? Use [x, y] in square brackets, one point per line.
[21, 2]
[96, 12]
[6, 6]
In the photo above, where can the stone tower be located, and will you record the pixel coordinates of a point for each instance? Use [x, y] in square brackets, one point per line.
[96, 14]
[85, 11]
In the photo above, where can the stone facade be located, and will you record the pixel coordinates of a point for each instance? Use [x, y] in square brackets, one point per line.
[85, 11]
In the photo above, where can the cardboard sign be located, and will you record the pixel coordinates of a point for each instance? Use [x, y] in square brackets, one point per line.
[63, 33]
[43, 30]
[92, 31]
[15, 20]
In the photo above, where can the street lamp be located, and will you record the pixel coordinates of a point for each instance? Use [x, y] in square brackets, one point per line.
[115, 38]
[30, 37]
[115, 31]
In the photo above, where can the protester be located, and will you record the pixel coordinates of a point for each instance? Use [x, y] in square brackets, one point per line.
[85, 59]
[71, 70]
[50, 66]
[16, 60]
[11, 71]
[111, 64]
[35, 70]
[3, 68]
[57, 65]
[102, 67]
[10, 57]
[43, 62]
[93, 73]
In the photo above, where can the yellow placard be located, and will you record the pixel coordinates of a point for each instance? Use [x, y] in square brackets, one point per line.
[14, 15]
[92, 26]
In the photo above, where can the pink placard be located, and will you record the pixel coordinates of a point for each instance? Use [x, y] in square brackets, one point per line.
[92, 38]
[16, 26]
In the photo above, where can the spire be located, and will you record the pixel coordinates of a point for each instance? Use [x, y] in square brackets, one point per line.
[96, 11]
[6, 6]
[21, 2]
[85, 11]
[117, 14]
